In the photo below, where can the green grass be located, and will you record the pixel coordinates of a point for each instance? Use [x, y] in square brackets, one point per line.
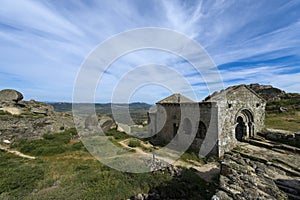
[291, 103]
[18, 177]
[75, 174]
[289, 121]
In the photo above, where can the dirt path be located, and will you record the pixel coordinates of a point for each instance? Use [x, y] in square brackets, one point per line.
[207, 172]
[15, 152]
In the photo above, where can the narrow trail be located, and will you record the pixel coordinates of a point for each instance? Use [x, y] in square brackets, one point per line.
[207, 171]
[16, 152]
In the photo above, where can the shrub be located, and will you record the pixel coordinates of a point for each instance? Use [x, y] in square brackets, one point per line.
[117, 135]
[42, 148]
[51, 144]
[134, 143]
[63, 137]
[71, 131]
[77, 146]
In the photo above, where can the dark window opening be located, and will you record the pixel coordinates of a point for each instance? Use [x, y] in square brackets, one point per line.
[201, 133]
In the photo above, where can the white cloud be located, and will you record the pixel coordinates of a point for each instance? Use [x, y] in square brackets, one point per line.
[43, 43]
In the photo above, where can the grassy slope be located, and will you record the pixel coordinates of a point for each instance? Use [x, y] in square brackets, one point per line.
[72, 173]
[287, 121]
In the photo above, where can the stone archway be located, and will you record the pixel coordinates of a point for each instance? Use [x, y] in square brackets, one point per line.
[244, 125]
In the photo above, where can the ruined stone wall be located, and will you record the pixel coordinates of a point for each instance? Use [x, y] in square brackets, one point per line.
[167, 116]
[171, 116]
[209, 118]
[234, 105]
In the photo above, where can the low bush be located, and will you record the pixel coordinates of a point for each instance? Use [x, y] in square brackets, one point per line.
[71, 131]
[117, 135]
[42, 148]
[63, 137]
[77, 146]
[134, 143]
[51, 144]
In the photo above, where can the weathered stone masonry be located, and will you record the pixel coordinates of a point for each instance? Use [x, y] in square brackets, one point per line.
[214, 125]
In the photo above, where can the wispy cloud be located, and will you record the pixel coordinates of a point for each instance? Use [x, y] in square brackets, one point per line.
[43, 43]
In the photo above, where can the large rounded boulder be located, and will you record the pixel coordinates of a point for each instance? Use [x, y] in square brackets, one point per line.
[9, 95]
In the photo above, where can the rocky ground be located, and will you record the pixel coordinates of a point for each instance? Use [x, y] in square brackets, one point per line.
[254, 172]
[28, 119]
[32, 119]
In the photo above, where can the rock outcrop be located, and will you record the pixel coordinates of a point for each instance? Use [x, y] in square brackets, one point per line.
[278, 101]
[36, 107]
[33, 127]
[28, 119]
[252, 172]
[9, 101]
[242, 178]
[92, 122]
[123, 128]
[10, 96]
[268, 92]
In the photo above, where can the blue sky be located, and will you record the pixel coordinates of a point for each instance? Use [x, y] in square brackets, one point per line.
[43, 43]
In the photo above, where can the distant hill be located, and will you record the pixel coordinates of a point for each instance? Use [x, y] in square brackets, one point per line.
[138, 111]
[64, 107]
[277, 101]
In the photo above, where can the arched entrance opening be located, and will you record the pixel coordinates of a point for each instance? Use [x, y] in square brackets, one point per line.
[240, 130]
[244, 125]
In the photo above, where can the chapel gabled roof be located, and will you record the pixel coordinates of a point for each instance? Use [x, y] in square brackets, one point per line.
[216, 96]
[175, 98]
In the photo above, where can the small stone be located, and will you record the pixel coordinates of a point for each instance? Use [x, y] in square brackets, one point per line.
[139, 197]
[222, 196]
[6, 142]
[259, 170]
